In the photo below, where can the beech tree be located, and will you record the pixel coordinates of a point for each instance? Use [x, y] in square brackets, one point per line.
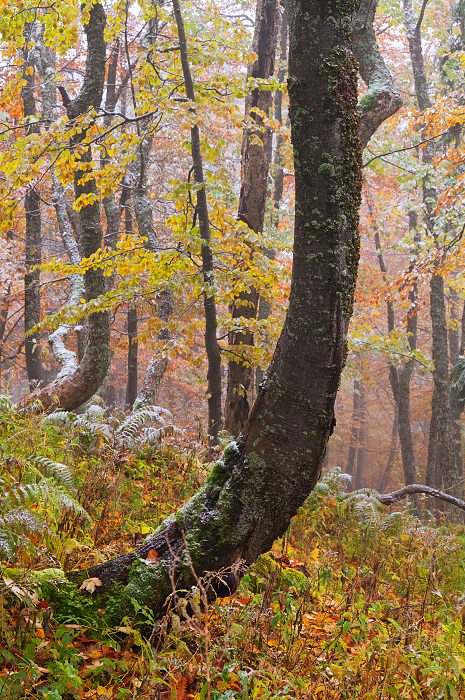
[443, 467]
[254, 187]
[33, 253]
[76, 387]
[262, 479]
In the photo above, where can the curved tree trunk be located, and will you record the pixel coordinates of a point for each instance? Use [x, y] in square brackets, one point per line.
[46, 67]
[77, 387]
[257, 487]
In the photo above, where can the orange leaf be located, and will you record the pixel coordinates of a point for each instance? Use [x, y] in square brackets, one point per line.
[152, 556]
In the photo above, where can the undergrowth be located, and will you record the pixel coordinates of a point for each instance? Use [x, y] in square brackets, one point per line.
[357, 601]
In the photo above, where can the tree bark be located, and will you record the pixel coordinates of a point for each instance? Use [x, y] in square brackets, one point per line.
[259, 484]
[133, 345]
[400, 377]
[442, 467]
[354, 432]
[384, 480]
[261, 481]
[254, 187]
[264, 306]
[211, 342]
[158, 364]
[45, 62]
[382, 98]
[33, 249]
[77, 387]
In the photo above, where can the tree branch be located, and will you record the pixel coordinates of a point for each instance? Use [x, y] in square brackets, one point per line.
[388, 499]
[382, 98]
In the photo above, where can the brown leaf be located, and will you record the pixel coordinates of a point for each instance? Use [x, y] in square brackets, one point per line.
[90, 584]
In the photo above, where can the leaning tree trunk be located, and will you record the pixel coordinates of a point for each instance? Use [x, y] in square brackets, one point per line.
[255, 490]
[77, 387]
[254, 187]
[33, 238]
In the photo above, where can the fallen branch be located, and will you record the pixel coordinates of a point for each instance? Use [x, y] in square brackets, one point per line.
[388, 499]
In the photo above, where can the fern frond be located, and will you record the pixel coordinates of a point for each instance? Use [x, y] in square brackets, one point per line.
[93, 427]
[60, 417]
[60, 472]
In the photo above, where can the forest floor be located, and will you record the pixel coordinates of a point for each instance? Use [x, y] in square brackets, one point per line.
[356, 602]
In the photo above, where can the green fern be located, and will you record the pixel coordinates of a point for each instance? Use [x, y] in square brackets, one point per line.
[145, 426]
[34, 497]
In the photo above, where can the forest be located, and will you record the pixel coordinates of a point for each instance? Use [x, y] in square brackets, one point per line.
[232, 349]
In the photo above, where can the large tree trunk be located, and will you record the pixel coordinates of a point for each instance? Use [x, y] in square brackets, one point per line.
[33, 251]
[257, 487]
[78, 386]
[254, 187]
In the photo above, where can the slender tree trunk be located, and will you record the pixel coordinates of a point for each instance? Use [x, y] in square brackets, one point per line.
[400, 377]
[254, 187]
[111, 207]
[4, 310]
[45, 63]
[131, 389]
[133, 346]
[33, 251]
[264, 306]
[158, 364]
[384, 480]
[211, 342]
[77, 387]
[362, 438]
[354, 432]
[442, 467]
